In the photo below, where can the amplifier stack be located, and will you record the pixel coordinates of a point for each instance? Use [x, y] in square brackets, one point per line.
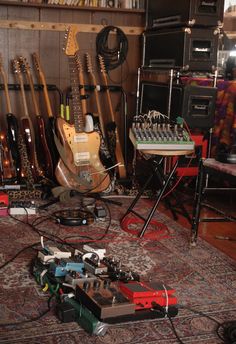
[181, 38]
[182, 34]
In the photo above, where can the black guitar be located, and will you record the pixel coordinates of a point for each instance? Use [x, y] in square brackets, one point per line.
[12, 128]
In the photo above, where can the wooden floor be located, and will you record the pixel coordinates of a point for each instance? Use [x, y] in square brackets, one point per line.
[222, 235]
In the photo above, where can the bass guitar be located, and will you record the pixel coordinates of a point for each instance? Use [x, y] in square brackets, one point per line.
[43, 152]
[27, 127]
[112, 131]
[50, 124]
[79, 166]
[11, 138]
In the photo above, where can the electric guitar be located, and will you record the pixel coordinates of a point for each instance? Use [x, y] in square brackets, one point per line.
[12, 137]
[112, 131]
[27, 127]
[49, 127]
[79, 166]
[43, 152]
[104, 151]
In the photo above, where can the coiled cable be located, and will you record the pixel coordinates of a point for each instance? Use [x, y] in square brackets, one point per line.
[113, 56]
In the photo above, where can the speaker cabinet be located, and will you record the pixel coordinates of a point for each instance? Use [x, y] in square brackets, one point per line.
[181, 48]
[166, 13]
[196, 104]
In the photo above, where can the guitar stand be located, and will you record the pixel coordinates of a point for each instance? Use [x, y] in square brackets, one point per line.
[164, 179]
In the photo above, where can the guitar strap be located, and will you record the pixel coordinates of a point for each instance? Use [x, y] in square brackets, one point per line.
[63, 156]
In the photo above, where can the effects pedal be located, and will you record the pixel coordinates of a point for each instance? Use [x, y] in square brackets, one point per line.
[103, 298]
[22, 207]
[146, 294]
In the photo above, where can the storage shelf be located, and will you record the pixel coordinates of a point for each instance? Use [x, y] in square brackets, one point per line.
[67, 7]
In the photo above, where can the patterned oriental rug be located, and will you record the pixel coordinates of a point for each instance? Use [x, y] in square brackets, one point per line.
[203, 277]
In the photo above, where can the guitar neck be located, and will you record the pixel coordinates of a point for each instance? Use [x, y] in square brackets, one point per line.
[23, 96]
[81, 83]
[8, 103]
[112, 114]
[77, 113]
[94, 82]
[43, 82]
[31, 84]
[118, 149]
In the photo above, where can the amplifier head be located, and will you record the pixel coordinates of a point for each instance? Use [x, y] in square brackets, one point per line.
[167, 13]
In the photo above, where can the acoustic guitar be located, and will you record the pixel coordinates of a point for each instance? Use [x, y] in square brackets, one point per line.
[43, 152]
[112, 131]
[79, 167]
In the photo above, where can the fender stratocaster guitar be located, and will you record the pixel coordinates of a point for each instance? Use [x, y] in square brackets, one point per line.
[81, 169]
[43, 152]
[112, 131]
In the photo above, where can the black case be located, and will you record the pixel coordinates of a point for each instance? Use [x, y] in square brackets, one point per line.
[196, 104]
[166, 13]
[181, 48]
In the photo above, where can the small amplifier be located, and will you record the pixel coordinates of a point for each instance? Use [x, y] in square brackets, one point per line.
[166, 13]
[187, 49]
[195, 104]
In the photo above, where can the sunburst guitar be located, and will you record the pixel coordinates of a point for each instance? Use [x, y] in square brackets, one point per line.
[79, 166]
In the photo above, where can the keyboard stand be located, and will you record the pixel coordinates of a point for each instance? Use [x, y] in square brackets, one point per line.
[157, 164]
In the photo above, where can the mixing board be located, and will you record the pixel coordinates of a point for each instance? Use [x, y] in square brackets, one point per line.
[160, 136]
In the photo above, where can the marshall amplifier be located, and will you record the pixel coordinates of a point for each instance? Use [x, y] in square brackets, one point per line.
[181, 48]
[196, 104]
[166, 13]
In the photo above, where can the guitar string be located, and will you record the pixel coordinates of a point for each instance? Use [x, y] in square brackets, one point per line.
[79, 121]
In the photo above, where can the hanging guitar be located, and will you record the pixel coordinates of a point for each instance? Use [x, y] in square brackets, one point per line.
[43, 152]
[49, 128]
[27, 129]
[99, 124]
[79, 166]
[112, 131]
[12, 135]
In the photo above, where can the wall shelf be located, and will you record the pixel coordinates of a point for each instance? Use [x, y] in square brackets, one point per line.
[67, 7]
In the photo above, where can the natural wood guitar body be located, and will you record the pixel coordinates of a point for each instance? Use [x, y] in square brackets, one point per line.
[82, 160]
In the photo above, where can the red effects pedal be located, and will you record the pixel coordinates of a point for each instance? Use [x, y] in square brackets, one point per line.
[145, 294]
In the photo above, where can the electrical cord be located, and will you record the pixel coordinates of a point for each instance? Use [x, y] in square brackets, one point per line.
[113, 57]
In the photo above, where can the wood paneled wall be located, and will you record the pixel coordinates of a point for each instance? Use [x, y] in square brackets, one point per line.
[49, 44]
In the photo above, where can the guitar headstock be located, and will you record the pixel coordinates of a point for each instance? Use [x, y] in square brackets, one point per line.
[16, 66]
[78, 63]
[102, 64]
[71, 43]
[25, 68]
[36, 61]
[89, 63]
